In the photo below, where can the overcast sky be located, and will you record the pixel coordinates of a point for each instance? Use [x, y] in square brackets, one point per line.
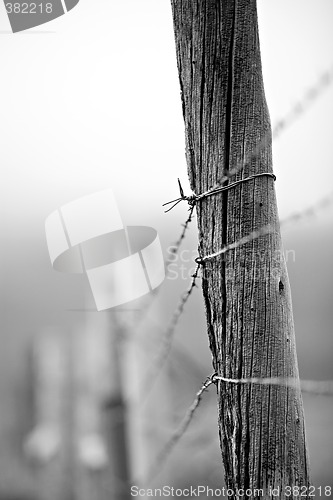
[91, 100]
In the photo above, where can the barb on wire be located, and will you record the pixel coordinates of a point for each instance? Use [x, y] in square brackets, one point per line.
[176, 246]
[269, 228]
[180, 431]
[167, 337]
[190, 199]
[193, 199]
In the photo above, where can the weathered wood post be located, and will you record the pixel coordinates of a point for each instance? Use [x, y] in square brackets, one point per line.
[246, 291]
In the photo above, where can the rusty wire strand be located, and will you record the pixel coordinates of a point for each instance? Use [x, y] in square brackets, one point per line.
[180, 431]
[176, 246]
[319, 387]
[269, 228]
[174, 251]
[167, 338]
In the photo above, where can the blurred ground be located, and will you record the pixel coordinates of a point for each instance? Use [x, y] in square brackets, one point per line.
[196, 459]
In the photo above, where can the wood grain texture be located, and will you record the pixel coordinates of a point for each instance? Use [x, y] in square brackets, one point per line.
[246, 291]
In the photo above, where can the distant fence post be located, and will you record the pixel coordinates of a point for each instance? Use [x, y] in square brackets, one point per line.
[103, 471]
[50, 443]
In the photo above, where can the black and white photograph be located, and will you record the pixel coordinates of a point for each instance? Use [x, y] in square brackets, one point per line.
[166, 249]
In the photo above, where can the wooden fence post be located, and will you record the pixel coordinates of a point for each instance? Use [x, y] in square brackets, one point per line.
[246, 291]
